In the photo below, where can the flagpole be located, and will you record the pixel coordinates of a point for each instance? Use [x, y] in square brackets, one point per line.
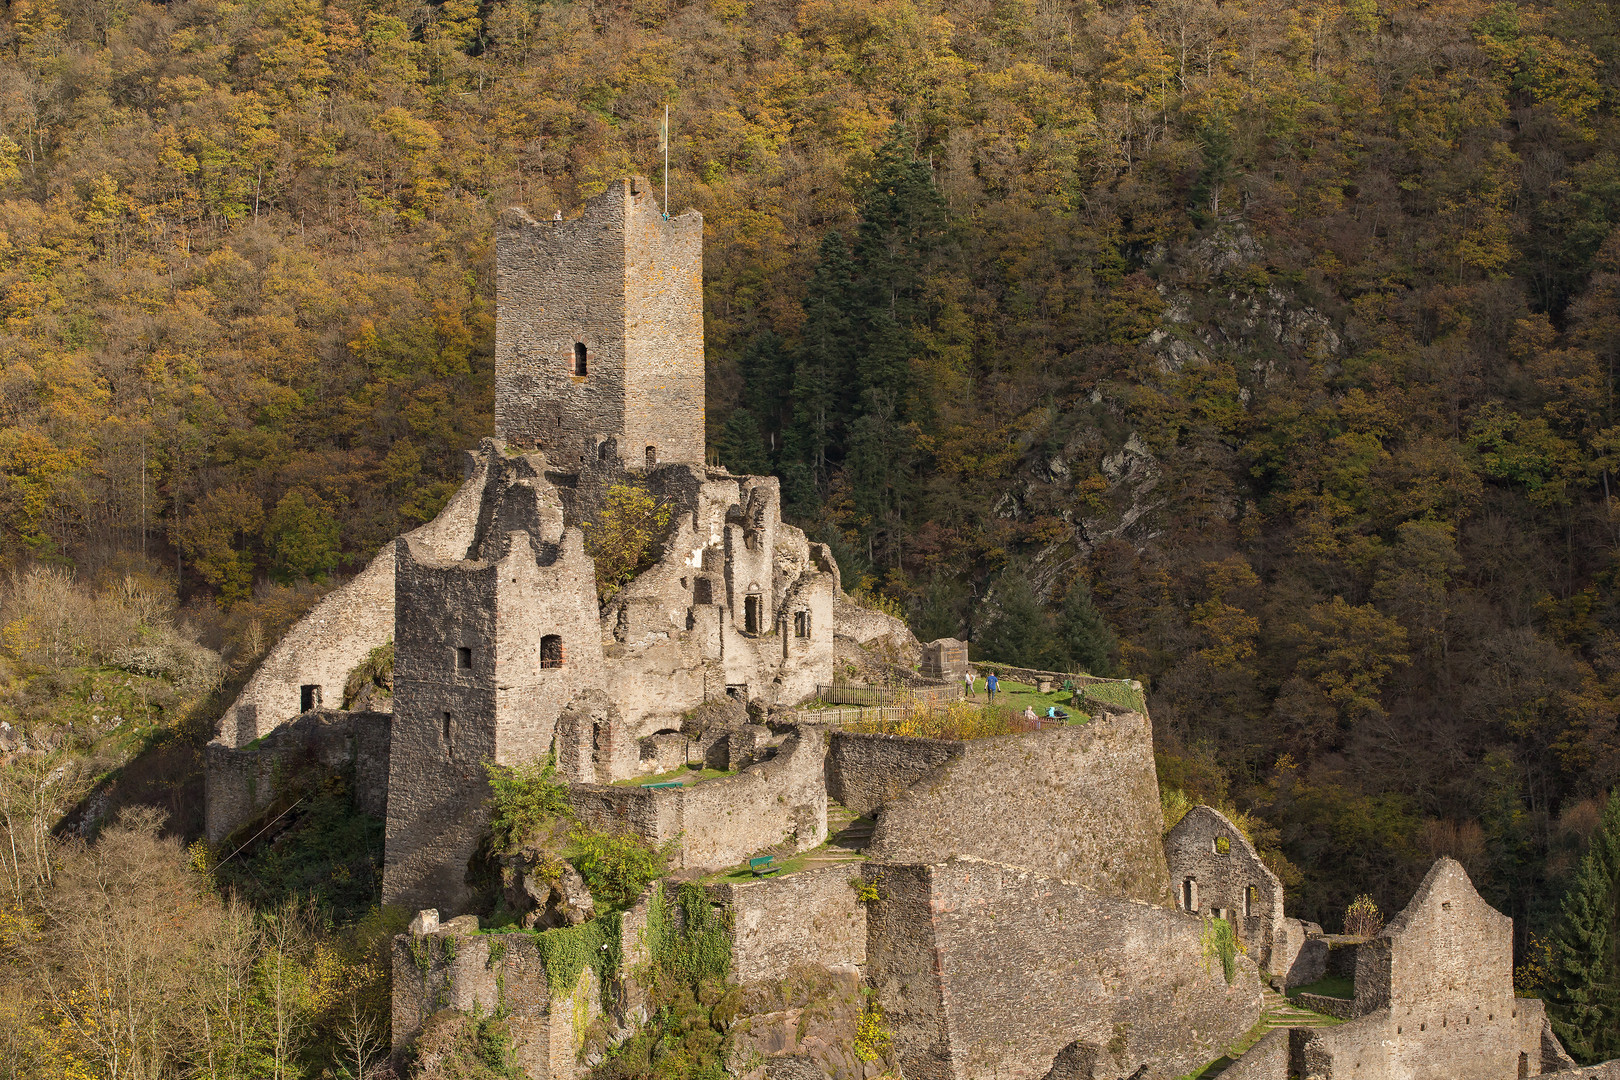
[666, 159]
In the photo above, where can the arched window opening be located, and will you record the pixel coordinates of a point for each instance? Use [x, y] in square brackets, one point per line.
[579, 358]
[753, 609]
[652, 456]
[551, 651]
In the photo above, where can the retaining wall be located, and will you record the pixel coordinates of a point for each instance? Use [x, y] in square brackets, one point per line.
[812, 917]
[1080, 802]
[990, 971]
[867, 772]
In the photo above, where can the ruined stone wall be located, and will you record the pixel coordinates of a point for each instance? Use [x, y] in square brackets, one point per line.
[1435, 991]
[327, 644]
[812, 917]
[485, 973]
[722, 821]
[1077, 801]
[241, 782]
[1234, 882]
[867, 772]
[664, 390]
[985, 970]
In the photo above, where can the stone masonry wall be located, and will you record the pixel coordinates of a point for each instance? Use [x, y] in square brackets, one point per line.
[625, 283]
[486, 972]
[664, 395]
[338, 633]
[867, 772]
[722, 821]
[1435, 991]
[989, 971]
[240, 782]
[811, 917]
[1222, 881]
[1080, 802]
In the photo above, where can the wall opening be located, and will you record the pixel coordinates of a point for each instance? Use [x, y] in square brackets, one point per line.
[1189, 895]
[1524, 1063]
[446, 734]
[1249, 895]
[579, 358]
[551, 651]
[702, 591]
[753, 608]
[309, 697]
[652, 456]
[463, 657]
[801, 624]
[1221, 846]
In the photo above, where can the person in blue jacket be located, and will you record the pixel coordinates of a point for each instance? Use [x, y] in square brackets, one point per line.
[990, 688]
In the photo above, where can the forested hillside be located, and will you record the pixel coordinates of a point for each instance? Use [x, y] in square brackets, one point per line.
[1262, 351]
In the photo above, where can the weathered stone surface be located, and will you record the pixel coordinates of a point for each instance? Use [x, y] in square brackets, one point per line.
[985, 970]
[1079, 802]
[778, 923]
[240, 781]
[1214, 870]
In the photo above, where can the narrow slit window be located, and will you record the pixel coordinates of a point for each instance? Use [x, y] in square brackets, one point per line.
[579, 358]
[463, 657]
[447, 729]
[752, 609]
[1248, 902]
[551, 651]
[1189, 895]
[801, 624]
[652, 456]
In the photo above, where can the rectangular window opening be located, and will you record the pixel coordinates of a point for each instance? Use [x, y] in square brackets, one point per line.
[753, 608]
[801, 624]
[551, 651]
[309, 697]
[463, 657]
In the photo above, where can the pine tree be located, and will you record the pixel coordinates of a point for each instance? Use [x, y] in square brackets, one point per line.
[767, 374]
[741, 447]
[1084, 633]
[1021, 632]
[1583, 991]
[821, 368]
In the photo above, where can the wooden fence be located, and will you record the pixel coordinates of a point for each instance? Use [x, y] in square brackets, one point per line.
[845, 694]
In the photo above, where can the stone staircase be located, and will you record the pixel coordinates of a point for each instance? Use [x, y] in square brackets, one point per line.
[1276, 1011]
[847, 837]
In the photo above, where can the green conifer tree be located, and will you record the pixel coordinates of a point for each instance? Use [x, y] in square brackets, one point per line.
[821, 367]
[1021, 631]
[1085, 635]
[741, 447]
[1583, 989]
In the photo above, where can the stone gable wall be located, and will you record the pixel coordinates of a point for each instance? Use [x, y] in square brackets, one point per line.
[812, 917]
[1078, 801]
[241, 782]
[1221, 882]
[990, 971]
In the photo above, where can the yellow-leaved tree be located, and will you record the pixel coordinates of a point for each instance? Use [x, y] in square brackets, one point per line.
[624, 538]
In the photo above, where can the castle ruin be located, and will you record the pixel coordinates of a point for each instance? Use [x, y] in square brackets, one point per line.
[1017, 911]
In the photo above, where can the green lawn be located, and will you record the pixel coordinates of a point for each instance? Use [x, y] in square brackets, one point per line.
[1115, 693]
[1333, 986]
[1019, 695]
[686, 774]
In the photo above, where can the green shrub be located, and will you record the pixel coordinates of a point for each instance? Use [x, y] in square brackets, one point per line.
[523, 800]
[1220, 940]
[617, 867]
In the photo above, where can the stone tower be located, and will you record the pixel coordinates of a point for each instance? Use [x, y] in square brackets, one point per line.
[599, 332]
[493, 635]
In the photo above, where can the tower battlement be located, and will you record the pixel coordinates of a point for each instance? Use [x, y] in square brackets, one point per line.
[599, 332]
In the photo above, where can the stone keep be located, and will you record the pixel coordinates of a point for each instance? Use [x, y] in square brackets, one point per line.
[599, 332]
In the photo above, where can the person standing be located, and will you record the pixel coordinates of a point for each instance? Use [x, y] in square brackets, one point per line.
[990, 688]
[967, 682]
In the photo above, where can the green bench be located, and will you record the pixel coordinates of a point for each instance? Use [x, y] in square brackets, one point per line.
[662, 784]
[762, 865]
